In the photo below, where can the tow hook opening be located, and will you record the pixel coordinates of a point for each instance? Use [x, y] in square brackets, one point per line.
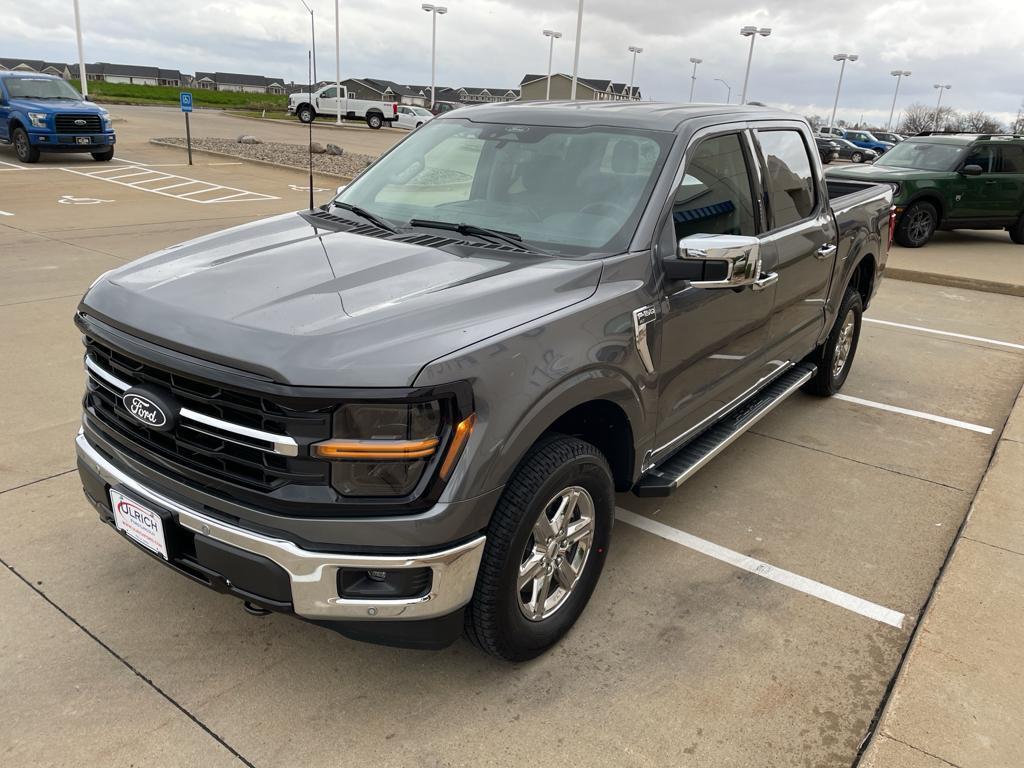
[253, 609]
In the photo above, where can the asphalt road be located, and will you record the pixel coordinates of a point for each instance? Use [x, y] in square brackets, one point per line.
[753, 619]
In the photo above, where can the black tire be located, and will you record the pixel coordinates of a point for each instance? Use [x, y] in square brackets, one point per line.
[306, 113]
[375, 120]
[1017, 231]
[917, 225]
[495, 620]
[831, 374]
[103, 157]
[23, 148]
[826, 159]
[857, 157]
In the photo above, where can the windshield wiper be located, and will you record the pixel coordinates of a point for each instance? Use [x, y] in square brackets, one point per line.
[365, 214]
[509, 238]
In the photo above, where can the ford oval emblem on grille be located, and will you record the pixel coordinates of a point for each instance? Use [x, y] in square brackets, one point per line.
[80, 122]
[150, 409]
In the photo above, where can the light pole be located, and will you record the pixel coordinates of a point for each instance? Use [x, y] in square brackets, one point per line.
[337, 59]
[81, 56]
[632, 72]
[938, 103]
[434, 11]
[728, 89]
[899, 74]
[843, 57]
[752, 33]
[551, 53]
[312, 26]
[576, 52]
[693, 77]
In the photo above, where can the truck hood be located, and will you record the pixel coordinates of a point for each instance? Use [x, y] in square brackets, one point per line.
[58, 105]
[881, 173]
[302, 305]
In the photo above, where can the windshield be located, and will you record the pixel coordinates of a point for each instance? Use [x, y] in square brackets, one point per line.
[570, 191]
[40, 88]
[923, 156]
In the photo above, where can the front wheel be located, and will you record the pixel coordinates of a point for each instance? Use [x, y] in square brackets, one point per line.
[306, 113]
[1017, 231]
[857, 157]
[374, 120]
[545, 550]
[103, 157]
[834, 358]
[23, 148]
[917, 225]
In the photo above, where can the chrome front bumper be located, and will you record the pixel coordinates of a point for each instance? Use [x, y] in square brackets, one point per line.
[314, 575]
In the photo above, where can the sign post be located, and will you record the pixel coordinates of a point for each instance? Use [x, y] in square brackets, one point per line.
[186, 106]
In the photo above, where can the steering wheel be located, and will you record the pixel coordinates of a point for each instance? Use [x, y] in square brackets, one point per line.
[606, 206]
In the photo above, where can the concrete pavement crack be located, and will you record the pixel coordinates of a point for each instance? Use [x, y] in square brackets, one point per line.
[39, 480]
[922, 751]
[170, 699]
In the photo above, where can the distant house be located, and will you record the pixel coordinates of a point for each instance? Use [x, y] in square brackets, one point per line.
[485, 95]
[377, 89]
[233, 81]
[35, 65]
[132, 74]
[534, 88]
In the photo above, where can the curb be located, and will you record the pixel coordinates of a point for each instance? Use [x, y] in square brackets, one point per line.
[333, 126]
[251, 160]
[954, 281]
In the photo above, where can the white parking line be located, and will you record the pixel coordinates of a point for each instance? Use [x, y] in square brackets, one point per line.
[138, 176]
[5, 213]
[778, 575]
[916, 414]
[1009, 344]
[12, 166]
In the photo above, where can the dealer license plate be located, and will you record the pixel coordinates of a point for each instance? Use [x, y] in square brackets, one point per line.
[83, 139]
[139, 523]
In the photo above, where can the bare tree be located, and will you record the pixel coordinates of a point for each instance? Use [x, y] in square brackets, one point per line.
[920, 117]
[975, 122]
[1018, 124]
[816, 121]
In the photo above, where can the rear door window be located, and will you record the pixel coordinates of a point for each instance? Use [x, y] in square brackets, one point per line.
[715, 196]
[1011, 158]
[792, 193]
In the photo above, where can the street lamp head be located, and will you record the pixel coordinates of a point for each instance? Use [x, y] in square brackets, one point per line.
[764, 31]
[440, 10]
[845, 57]
[748, 31]
[635, 49]
[696, 61]
[900, 73]
[427, 7]
[947, 87]
[552, 33]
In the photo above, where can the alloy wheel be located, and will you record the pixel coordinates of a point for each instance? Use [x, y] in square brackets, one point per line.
[556, 553]
[844, 344]
[920, 225]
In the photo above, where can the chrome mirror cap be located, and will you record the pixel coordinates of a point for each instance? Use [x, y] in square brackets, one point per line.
[739, 255]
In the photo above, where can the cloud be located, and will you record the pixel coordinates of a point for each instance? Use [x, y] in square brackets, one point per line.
[495, 42]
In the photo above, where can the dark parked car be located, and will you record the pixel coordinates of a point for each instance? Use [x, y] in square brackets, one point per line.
[887, 136]
[951, 181]
[828, 149]
[850, 151]
[406, 414]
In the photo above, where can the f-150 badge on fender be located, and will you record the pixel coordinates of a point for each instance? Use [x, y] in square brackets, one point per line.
[641, 319]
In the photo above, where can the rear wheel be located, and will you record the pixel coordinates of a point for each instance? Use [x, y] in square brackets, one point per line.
[1017, 231]
[917, 225]
[374, 120]
[835, 357]
[545, 550]
[104, 156]
[23, 148]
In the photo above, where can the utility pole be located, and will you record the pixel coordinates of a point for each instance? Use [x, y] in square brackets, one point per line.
[576, 53]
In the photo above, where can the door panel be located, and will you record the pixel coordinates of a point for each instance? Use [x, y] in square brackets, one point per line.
[713, 340]
[803, 240]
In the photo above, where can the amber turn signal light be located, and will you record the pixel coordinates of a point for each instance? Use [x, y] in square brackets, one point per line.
[462, 432]
[376, 450]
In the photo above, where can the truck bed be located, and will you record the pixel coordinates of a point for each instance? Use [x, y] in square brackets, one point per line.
[843, 193]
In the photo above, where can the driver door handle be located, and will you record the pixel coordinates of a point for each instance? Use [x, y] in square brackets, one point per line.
[765, 281]
[826, 251]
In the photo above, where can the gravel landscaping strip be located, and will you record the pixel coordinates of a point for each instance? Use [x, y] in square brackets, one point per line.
[286, 155]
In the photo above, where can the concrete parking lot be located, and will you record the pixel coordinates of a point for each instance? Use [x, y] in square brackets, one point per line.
[756, 618]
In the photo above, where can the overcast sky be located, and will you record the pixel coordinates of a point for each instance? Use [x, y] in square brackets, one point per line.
[975, 47]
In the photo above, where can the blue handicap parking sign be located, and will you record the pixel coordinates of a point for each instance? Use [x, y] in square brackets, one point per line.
[186, 101]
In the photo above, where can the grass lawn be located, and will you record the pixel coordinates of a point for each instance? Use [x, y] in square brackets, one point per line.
[123, 93]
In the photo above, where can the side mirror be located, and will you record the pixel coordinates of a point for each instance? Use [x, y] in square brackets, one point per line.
[716, 261]
[972, 170]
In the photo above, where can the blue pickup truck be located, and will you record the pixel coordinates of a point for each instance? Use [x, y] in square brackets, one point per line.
[42, 113]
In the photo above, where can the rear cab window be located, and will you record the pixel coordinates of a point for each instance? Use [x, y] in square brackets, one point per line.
[790, 183]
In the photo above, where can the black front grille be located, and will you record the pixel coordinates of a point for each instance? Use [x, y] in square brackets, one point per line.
[78, 124]
[199, 449]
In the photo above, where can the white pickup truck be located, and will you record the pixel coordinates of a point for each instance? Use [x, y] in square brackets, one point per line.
[326, 102]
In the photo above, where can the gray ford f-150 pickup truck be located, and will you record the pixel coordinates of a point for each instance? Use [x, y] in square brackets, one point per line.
[406, 414]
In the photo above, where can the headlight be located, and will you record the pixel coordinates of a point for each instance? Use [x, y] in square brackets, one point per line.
[38, 119]
[896, 190]
[384, 449]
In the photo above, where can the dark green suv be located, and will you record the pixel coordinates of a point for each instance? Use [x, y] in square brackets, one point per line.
[951, 181]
